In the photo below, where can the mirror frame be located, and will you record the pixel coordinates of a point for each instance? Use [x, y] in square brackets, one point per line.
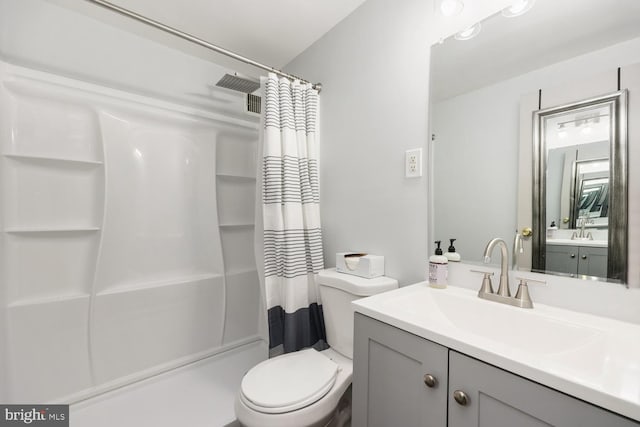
[617, 234]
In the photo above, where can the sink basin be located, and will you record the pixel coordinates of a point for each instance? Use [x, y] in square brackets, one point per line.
[528, 330]
[517, 327]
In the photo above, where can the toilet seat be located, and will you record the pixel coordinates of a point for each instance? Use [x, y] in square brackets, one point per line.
[289, 382]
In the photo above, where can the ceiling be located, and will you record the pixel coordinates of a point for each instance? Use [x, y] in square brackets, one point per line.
[552, 31]
[273, 32]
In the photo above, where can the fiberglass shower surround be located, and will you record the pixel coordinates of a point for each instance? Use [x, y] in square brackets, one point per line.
[127, 236]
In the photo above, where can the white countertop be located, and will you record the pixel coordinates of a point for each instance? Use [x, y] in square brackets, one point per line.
[593, 358]
[571, 242]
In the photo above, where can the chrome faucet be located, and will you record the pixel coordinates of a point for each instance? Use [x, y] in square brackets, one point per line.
[582, 234]
[522, 298]
[503, 286]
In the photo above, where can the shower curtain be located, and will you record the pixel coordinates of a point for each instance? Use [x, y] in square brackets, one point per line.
[292, 237]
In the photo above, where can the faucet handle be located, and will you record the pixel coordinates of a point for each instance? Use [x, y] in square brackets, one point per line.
[527, 280]
[523, 299]
[486, 287]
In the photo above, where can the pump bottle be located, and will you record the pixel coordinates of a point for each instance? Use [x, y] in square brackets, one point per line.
[451, 253]
[438, 269]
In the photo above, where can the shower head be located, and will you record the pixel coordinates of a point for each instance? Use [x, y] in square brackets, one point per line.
[237, 83]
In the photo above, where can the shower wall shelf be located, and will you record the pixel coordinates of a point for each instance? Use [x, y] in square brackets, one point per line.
[46, 300]
[18, 230]
[153, 284]
[46, 159]
[241, 178]
[244, 225]
[241, 271]
[237, 244]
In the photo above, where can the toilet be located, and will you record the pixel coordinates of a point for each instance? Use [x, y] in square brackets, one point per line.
[306, 388]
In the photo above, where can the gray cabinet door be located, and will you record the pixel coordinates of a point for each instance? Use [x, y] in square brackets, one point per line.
[562, 259]
[497, 398]
[389, 389]
[593, 261]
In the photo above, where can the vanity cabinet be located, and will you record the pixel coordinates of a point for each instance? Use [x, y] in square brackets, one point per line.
[499, 398]
[389, 383]
[390, 388]
[577, 260]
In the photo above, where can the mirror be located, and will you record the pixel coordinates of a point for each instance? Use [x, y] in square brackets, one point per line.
[478, 87]
[580, 189]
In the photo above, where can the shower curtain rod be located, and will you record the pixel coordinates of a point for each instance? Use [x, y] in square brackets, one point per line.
[198, 41]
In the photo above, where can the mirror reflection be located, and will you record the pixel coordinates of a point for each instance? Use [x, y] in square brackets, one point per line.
[576, 192]
[578, 169]
[479, 86]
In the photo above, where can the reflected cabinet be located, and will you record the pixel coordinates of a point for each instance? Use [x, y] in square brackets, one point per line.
[400, 379]
[577, 260]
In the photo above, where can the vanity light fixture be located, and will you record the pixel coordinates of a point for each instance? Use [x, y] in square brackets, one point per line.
[517, 8]
[469, 33]
[451, 7]
[581, 120]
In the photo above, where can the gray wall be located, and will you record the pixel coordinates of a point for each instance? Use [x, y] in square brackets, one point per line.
[374, 66]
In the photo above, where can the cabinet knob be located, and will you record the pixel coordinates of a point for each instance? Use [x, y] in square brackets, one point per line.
[461, 397]
[527, 232]
[430, 380]
[584, 257]
[573, 255]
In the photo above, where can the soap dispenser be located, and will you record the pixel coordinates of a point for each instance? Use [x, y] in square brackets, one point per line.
[438, 268]
[451, 254]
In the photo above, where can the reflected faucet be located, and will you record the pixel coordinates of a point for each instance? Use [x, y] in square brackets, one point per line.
[503, 286]
[518, 249]
[582, 234]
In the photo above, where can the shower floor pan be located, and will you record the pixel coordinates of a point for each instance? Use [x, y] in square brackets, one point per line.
[198, 395]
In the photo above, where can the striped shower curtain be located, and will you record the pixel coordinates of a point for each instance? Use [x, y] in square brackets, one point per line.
[291, 216]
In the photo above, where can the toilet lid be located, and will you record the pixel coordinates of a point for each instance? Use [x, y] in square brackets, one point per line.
[288, 382]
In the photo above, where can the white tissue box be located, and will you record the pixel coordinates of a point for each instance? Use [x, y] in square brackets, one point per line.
[359, 264]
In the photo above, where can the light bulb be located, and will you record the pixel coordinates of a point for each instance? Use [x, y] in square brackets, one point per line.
[517, 8]
[468, 33]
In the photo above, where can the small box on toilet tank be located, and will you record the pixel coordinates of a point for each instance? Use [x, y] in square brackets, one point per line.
[359, 264]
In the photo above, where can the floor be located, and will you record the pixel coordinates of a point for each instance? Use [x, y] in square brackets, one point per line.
[198, 395]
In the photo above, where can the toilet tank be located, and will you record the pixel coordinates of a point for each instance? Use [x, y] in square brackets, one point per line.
[337, 290]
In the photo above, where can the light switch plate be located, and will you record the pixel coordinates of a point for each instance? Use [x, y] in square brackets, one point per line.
[413, 163]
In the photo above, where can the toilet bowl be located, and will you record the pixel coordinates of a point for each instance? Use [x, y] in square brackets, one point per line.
[287, 398]
[305, 388]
